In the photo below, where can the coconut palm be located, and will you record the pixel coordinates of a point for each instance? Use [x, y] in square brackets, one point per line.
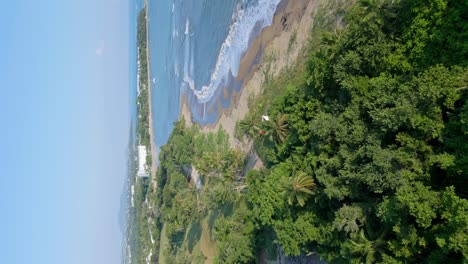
[383, 10]
[298, 188]
[366, 246]
[249, 125]
[277, 128]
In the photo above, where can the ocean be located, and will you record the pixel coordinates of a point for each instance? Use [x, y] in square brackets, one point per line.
[195, 48]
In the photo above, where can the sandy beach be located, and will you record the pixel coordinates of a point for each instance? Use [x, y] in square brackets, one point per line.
[291, 16]
[153, 146]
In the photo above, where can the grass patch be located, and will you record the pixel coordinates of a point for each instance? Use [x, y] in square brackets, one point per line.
[193, 235]
[163, 245]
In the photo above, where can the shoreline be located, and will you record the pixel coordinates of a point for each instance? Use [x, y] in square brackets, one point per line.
[291, 16]
[150, 117]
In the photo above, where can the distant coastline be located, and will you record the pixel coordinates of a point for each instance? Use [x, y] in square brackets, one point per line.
[151, 131]
[136, 250]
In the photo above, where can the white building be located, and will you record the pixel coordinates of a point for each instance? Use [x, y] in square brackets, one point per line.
[142, 172]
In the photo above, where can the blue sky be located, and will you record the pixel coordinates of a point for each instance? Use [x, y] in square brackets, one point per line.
[64, 112]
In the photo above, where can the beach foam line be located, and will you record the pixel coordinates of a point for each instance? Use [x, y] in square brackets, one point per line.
[187, 27]
[233, 47]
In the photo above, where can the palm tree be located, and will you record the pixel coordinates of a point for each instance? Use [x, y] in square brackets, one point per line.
[298, 188]
[366, 247]
[277, 128]
[383, 10]
[249, 125]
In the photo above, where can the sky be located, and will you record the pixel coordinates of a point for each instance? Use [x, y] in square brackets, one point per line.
[64, 113]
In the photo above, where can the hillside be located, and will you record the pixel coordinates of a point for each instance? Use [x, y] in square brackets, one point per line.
[364, 157]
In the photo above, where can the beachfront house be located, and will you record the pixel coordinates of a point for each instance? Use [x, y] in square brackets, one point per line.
[142, 171]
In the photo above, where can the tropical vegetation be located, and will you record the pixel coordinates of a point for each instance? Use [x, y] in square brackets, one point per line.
[365, 151]
[372, 165]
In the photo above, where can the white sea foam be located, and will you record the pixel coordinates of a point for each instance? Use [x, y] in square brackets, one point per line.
[187, 27]
[188, 64]
[176, 70]
[233, 47]
[175, 32]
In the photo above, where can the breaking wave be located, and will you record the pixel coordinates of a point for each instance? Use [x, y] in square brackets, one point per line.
[231, 51]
